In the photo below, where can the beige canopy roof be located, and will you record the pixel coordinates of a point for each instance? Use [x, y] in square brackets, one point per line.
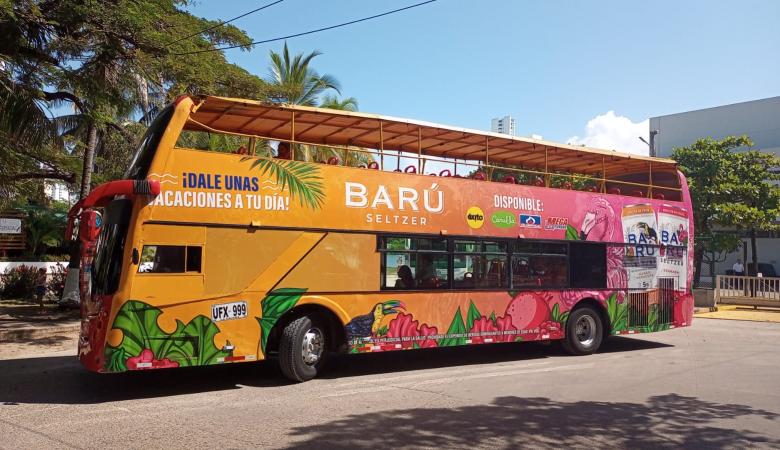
[343, 128]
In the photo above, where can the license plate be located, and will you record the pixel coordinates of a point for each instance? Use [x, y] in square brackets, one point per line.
[228, 311]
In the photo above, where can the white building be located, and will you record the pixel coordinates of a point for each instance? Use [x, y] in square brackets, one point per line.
[505, 125]
[759, 120]
[59, 191]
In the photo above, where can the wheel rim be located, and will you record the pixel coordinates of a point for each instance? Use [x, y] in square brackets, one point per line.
[585, 330]
[312, 346]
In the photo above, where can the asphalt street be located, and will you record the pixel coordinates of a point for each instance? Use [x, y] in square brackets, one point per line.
[714, 385]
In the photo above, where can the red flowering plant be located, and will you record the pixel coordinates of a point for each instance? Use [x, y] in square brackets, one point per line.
[146, 361]
[411, 333]
[497, 329]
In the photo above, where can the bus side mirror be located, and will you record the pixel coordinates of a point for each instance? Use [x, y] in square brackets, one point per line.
[135, 256]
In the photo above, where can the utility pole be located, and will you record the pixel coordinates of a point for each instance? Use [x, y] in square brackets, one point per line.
[651, 144]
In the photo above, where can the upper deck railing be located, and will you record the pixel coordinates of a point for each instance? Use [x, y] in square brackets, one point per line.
[402, 145]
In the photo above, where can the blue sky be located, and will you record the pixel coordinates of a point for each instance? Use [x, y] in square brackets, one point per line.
[558, 67]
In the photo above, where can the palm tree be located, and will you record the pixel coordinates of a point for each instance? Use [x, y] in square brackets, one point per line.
[348, 158]
[333, 102]
[292, 81]
[30, 149]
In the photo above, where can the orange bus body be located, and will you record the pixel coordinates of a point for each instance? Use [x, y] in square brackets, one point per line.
[236, 248]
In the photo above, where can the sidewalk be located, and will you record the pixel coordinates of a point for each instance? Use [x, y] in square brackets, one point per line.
[734, 312]
[21, 321]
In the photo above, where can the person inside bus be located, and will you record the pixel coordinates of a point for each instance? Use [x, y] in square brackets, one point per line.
[520, 272]
[540, 270]
[426, 274]
[405, 278]
[283, 151]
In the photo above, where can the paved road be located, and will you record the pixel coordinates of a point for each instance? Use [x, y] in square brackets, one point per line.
[715, 385]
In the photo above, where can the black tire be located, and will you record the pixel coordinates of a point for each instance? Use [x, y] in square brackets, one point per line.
[586, 339]
[292, 359]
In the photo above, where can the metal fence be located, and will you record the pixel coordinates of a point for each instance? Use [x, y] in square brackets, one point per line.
[652, 310]
[752, 291]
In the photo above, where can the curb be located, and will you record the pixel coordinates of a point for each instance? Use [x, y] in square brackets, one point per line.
[30, 333]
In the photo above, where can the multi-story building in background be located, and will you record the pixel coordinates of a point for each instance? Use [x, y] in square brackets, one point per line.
[758, 119]
[504, 125]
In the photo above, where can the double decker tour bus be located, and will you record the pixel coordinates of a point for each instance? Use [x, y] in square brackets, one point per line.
[312, 231]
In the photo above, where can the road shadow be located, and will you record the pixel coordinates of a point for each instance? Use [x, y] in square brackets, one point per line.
[664, 421]
[62, 379]
[434, 358]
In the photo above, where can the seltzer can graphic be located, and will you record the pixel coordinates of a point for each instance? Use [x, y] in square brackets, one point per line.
[641, 238]
[673, 237]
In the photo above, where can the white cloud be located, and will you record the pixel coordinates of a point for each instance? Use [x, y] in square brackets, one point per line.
[612, 132]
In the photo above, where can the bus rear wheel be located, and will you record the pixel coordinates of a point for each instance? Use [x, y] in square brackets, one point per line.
[302, 349]
[584, 331]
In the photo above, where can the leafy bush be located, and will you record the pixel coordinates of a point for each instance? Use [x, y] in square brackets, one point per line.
[56, 283]
[18, 282]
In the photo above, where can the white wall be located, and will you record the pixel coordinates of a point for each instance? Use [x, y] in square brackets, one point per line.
[758, 119]
[48, 265]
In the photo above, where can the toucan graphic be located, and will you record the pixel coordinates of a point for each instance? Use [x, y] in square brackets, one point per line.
[368, 324]
[650, 233]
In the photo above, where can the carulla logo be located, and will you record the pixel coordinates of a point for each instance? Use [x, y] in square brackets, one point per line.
[503, 219]
[475, 217]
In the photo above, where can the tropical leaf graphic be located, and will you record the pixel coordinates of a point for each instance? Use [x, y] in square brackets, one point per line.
[557, 316]
[618, 313]
[188, 345]
[302, 179]
[116, 360]
[472, 315]
[273, 306]
[572, 234]
[456, 327]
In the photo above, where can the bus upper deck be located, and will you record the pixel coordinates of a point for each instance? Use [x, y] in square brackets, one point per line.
[402, 145]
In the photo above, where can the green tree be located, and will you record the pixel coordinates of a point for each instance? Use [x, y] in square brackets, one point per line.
[109, 60]
[292, 81]
[755, 199]
[45, 226]
[707, 164]
[344, 104]
[718, 246]
[358, 156]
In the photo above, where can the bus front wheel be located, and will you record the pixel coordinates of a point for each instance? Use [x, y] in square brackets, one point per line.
[302, 349]
[584, 331]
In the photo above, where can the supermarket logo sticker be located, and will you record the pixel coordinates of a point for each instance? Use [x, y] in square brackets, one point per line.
[503, 219]
[556, 223]
[530, 221]
[475, 217]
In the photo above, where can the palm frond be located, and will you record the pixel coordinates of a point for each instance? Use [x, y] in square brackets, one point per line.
[302, 179]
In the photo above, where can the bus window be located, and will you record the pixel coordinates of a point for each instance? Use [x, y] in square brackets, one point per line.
[107, 267]
[480, 264]
[170, 259]
[539, 264]
[588, 265]
[414, 263]
[431, 271]
[194, 255]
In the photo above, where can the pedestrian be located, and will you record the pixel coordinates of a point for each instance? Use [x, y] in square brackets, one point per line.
[40, 287]
[738, 268]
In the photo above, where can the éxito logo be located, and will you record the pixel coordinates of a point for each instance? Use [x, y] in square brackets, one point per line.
[475, 217]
